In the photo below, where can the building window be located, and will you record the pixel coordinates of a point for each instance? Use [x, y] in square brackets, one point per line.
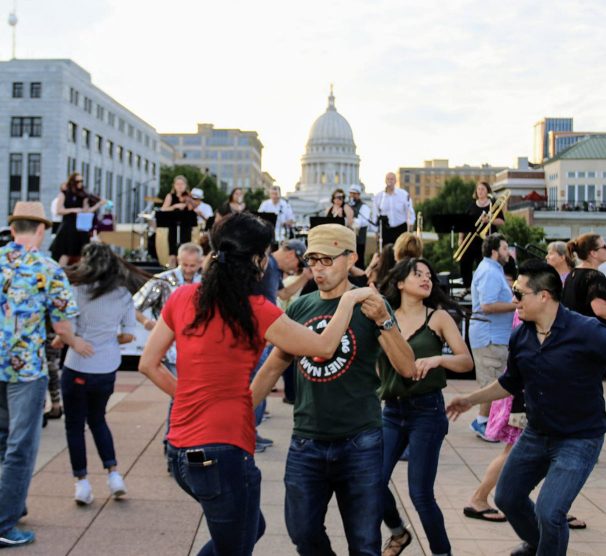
[74, 96]
[417, 190]
[591, 174]
[88, 105]
[139, 135]
[86, 138]
[110, 148]
[146, 166]
[26, 127]
[17, 90]
[580, 174]
[109, 182]
[121, 125]
[33, 176]
[85, 172]
[131, 130]
[146, 140]
[71, 165]
[570, 174]
[111, 119]
[128, 217]
[97, 184]
[99, 143]
[119, 199]
[571, 194]
[139, 162]
[130, 158]
[100, 112]
[153, 168]
[120, 153]
[35, 89]
[72, 132]
[15, 173]
[591, 192]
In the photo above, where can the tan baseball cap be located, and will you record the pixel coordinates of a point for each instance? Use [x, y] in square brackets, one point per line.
[330, 239]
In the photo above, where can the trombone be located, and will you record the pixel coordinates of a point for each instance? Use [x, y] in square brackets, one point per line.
[482, 229]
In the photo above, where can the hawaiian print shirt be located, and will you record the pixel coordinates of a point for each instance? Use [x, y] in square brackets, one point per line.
[155, 293]
[32, 287]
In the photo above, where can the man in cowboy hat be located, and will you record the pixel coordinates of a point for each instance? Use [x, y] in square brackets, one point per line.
[32, 288]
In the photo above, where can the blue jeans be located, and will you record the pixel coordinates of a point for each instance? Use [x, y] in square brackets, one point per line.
[21, 409]
[226, 482]
[419, 422]
[350, 468]
[565, 464]
[85, 397]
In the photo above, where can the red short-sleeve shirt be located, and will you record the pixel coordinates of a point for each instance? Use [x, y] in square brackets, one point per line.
[213, 402]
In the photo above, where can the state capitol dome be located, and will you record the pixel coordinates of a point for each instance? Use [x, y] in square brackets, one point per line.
[330, 160]
[331, 127]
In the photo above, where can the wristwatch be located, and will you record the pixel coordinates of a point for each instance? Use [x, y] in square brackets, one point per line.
[387, 325]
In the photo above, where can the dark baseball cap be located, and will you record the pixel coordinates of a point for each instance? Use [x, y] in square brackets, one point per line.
[297, 246]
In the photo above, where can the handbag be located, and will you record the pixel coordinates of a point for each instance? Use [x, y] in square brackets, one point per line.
[84, 221]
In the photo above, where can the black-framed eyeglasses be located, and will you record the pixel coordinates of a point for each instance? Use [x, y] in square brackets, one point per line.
[324, 260]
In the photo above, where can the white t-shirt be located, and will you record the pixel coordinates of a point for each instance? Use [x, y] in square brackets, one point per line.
[282, 209]
[203, 211]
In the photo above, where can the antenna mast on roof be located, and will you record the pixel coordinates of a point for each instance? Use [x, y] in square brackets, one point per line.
[12, 21]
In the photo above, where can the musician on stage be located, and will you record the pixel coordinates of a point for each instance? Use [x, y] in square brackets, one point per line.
[203, 210]
[478, 211]
[282, 209]
[177, 200]
[394, 204]
[361, 221]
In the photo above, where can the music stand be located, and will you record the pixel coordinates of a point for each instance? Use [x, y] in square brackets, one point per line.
[319, 220]
[270, 217]
[450, 223]
[176, 218]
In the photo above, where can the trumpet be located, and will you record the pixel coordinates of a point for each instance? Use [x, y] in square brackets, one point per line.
[482, 229]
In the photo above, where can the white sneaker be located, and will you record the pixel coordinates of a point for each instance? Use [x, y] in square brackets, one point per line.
[84, 493]
[116, 485]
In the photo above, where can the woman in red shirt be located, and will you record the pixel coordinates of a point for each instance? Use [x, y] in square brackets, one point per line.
[220, 328]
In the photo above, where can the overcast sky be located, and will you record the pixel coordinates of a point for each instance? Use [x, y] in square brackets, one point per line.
[464, 79]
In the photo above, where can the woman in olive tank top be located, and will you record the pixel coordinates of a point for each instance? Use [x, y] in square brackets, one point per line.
[414, 413]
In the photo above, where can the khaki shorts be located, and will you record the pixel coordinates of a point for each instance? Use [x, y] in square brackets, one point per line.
[490, 363]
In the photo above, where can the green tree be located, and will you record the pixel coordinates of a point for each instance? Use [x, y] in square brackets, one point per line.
[516, 230]
[196, 178]
[454, 197]
[253, 198]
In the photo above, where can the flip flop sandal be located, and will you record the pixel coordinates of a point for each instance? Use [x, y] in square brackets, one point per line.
[396, 545]
[484, 514]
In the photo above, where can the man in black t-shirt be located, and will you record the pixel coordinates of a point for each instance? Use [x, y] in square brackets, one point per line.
[337, 442]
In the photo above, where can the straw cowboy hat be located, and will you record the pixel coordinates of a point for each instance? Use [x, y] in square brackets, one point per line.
[29, 210]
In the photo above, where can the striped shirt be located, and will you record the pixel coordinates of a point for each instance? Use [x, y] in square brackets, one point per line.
[99, 323]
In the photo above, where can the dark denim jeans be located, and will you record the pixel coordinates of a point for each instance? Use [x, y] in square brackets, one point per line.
[419, 422]
[85, 397]
[21, 408]
[226, 482]
[565, 464]
[350, 468]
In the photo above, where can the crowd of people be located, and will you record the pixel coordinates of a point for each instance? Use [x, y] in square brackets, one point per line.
[364, 351]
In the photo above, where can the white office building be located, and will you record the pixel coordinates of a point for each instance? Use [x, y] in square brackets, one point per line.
[54, 121]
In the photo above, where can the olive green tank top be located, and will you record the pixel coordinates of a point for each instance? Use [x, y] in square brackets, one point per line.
[424, 343]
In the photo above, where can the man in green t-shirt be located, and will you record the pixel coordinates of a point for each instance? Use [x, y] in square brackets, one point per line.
[337, 441]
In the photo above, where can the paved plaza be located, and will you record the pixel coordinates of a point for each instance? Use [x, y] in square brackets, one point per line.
[157, 518]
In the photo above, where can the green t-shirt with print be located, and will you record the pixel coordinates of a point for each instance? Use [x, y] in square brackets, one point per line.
[337, 397]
